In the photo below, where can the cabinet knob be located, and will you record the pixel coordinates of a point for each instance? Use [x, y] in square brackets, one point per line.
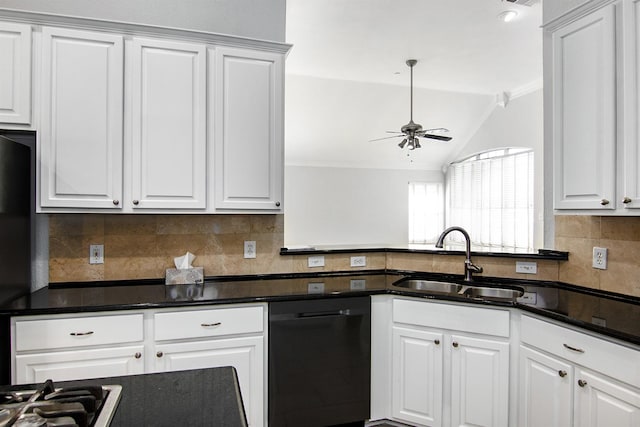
[159, 354]
[277, 204]
[604, 202]
[116, 202]
[436, 342]
[136, 202]
[138, 355]
[562, 373]
[626, 200]
[582, 383]
[455, 344]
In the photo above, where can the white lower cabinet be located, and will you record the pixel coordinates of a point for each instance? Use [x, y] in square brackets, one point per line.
[571, 378]
[446, 373]
[107, 344]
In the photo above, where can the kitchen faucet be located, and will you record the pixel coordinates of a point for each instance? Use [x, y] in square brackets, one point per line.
[469, 267]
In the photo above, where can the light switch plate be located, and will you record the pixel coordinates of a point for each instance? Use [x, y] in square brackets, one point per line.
[315, 261]
[96, 254]
[359, 261]
[526, 267]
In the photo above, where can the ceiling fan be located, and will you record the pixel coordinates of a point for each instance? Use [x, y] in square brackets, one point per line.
[412, 131]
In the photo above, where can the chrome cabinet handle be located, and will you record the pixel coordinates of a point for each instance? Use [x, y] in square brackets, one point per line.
[436, 342]
[159, 354]
[80, 334]
[116, 202]
[604, 202]
[626, 200]
[138, 355]
[568, 347]
[136, 202]
[562, 373]
[278, 204]
[582, 383]
[208, 325]
[455, 344]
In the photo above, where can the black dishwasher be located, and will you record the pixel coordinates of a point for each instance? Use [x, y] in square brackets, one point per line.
[319, 362]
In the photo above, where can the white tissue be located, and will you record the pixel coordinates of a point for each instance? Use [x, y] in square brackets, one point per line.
[184, 262]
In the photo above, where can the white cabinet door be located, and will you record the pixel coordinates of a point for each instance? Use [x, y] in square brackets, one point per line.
[630, 193]
[79, 364]
[479, 382]
[584, 108]
[602, 402]
[244, 354]
[15, 73]
[248, 128]
[545, 390]
[81, 131]
[168, 125]
[417, 376]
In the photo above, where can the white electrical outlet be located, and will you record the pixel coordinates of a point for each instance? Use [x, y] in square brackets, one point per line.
[359, 261]
[526, 267]
[249, 248]
[315, 261]
[599, 258]
[96, 254]
[315, 287]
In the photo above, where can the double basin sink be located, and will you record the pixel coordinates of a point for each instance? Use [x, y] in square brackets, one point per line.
[481, 292]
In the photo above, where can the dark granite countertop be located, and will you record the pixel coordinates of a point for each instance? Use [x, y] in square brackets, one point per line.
[560, 301]
[200, 397]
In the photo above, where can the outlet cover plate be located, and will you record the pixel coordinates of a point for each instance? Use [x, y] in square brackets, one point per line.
[359, 261]
[599, 258]
[526, 267]
[249, 248]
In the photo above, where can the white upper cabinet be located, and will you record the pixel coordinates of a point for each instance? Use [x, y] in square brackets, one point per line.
[81, 134]
[247, 100]
[584, 120]
[630, 156]
[595, 104]
[168, 121]
[15, 73]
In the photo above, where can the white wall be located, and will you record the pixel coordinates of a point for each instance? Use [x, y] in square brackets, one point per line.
[518, 124]
[259, 19]
[329, 206]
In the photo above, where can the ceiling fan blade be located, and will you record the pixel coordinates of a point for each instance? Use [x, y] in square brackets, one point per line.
[394, 131]
[386, 137]
[438, 137]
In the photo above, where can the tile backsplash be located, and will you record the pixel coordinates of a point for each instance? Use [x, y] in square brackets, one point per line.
[143, 247]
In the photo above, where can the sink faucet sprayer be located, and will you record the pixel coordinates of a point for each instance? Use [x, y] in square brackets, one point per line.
[469, 267]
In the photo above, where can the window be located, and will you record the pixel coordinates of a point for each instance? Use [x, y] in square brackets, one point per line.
[491, 195]
[426, 212]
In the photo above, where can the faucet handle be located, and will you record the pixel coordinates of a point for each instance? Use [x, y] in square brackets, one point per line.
[472, 267]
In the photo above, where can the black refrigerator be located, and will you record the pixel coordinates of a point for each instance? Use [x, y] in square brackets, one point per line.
[15, 220]
[16, 190]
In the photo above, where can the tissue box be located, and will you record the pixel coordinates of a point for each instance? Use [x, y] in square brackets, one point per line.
[184, 276]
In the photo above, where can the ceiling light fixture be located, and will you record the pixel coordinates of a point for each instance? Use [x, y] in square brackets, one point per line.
[508, 15]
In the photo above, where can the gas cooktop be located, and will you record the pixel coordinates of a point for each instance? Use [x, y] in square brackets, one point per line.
[48, 406]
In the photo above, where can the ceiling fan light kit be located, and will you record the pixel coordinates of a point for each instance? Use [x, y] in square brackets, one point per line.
[412, 131]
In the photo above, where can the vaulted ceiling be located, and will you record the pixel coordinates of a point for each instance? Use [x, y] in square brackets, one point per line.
[347, 81]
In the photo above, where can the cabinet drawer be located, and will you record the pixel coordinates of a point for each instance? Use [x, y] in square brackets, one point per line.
[444, 316]
[47, 334]
[611, 359]
[208, 323]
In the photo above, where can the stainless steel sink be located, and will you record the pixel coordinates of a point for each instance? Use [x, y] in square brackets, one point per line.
[431, 286]
[491, 293]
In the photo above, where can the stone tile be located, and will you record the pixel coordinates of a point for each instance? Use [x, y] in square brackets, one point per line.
[62, 225]
[575, 226]
[129, 225]
[578, 269]
[623, 269]
[178, 244]
[505, 267]
[122, 268]
[232, 224]
[130, 246]
[621, 228]
[185, 224]
[410, 261]
[272, 224]
[74, 270]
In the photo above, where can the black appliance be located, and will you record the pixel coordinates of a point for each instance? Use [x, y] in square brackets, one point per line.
[48, 406]
[15, 220]
[319, 362]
